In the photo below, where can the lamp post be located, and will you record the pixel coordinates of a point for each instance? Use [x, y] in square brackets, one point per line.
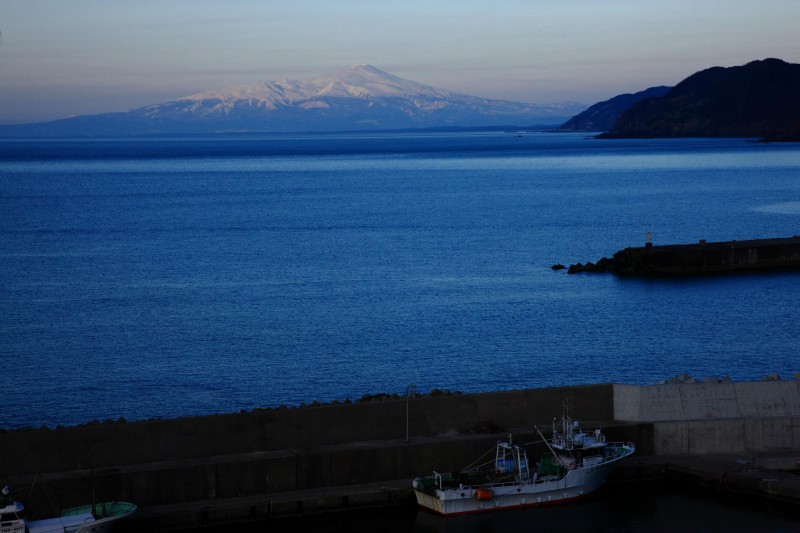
[408, 391]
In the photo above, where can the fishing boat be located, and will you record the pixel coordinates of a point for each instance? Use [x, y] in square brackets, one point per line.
[576, 465]
[97, 518]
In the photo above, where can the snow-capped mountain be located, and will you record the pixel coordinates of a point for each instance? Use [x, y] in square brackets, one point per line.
[358, 81]
[361, 97]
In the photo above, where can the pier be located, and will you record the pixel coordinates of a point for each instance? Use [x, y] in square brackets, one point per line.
[274, 463]
[699, 258]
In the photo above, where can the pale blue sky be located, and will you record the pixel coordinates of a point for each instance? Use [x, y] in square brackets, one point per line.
[62, 58]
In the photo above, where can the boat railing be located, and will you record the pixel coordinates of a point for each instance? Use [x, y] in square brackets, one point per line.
[571, 441]
[621, 444]
[561, 442]
[536, 479]
[549, 478]
[618, 450]
[494, 485]
[438, 479]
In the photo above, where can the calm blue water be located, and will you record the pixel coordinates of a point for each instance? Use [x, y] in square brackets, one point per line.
[168, 277]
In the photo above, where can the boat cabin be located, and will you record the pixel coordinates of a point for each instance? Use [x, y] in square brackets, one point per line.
[12, 514]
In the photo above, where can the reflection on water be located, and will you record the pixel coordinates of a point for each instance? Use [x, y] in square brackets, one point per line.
[782, 208]
[646, 506]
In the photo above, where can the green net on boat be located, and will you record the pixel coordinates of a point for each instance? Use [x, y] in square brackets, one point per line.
[548, 467]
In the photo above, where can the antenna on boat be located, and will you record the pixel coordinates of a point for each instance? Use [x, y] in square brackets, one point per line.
[48, 494]
[94, 486]
[33, 484]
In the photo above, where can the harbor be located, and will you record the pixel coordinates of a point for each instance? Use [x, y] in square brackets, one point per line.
[290, 462]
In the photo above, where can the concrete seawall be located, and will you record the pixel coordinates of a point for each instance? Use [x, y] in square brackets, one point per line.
[707, 257]
[699, 258]
[171, 466]
[115, 444]
[702, 418]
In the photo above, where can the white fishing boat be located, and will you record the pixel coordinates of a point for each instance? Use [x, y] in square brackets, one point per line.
[577, 464]
[96, 518]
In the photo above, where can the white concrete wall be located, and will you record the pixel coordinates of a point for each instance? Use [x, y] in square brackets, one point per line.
[705, 418]
[706, 401]
[736, 435]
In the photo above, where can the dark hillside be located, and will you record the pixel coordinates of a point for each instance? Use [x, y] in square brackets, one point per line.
[760, 99]
[602, 116]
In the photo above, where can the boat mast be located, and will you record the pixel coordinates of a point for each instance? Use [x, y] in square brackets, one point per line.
[521, 453]
[94, 486]
[555, 455]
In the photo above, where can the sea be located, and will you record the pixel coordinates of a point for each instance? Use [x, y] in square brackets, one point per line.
[166, 277]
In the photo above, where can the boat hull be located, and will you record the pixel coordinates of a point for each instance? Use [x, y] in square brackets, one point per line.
[453, 508]
[576, 484]
[85, 519]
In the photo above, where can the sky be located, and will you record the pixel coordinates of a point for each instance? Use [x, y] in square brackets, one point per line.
[77, 57]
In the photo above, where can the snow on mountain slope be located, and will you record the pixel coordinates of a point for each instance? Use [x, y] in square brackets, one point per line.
[358, 81]
[362, 82]
[356, 98]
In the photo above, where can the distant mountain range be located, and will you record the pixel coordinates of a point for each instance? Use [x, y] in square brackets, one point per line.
[602, 116]
[759, 99]
[361, 97]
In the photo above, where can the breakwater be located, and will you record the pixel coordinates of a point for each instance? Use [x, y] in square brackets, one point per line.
[699, 258]
[291, 461]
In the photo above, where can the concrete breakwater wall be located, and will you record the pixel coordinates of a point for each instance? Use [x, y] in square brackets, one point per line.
[115, 444]
[709, 257]
[699, 258]
[159, 462]
[703, 418]
[220, 458]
